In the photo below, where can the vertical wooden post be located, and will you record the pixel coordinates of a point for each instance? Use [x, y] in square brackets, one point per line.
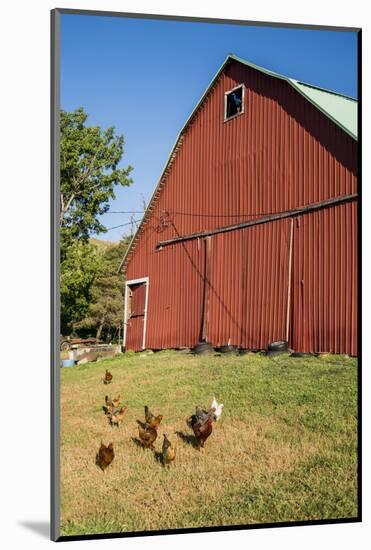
[206, 297]
[289, 285]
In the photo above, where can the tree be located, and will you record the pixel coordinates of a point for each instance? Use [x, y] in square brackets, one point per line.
[89, 158]
[89, 173]
[106, 307]
[79, 270]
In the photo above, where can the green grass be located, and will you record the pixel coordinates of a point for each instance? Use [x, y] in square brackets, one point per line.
[285, 449]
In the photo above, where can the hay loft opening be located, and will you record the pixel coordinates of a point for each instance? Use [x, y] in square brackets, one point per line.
[234, 102]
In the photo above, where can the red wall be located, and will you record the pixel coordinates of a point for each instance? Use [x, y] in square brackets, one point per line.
[280, 154]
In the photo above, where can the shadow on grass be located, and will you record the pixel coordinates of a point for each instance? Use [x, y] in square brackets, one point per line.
[189, 439]
[158, 457]
[157, 454]
[138, 443]
[141, 445]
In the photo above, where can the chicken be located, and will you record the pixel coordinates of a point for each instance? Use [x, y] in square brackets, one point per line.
[116, 401]
[147, 434]
[108, 377]
[108, 405]
[156, 420]
[151, 419]
[216, 408]
[117, 416]
[202, 426]
[105, 456]
[148, 415]
[201, 414]
[168, 451]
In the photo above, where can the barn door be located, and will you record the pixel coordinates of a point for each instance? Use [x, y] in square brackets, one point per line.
[136, 297]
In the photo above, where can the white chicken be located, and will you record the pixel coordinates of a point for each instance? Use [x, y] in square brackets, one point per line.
[216, 408]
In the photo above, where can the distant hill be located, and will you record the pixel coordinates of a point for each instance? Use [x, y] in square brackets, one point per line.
[103, 245]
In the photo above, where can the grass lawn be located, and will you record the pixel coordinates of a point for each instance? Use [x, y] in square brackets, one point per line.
[285, 449]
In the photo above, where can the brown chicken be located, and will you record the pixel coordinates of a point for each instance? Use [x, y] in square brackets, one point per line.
[147, 434]
[116, 401]
[168, 451]
[202, 426]
[151, 419]
[117, 416]
[108, 377]
[108, 406]
[105, 456]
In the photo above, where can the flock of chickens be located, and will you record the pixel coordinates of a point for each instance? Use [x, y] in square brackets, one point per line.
[201, 423]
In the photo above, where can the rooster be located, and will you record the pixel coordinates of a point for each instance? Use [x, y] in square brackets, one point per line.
[202, 426]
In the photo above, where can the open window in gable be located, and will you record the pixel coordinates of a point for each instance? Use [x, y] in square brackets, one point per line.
[234, 102]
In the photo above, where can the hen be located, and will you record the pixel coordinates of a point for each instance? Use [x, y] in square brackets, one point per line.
[108, 377]
[216, 408]
[147, 434]
[117, 416]
[151, 419]
[116, 401]
[105, 456]
[168, 451]
[108, 405]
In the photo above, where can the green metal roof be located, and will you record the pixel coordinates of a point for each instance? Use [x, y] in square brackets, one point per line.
[339, 108]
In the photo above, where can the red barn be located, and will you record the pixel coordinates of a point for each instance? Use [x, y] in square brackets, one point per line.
[251, 233]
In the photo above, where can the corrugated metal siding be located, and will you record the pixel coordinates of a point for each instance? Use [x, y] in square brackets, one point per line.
[282, 153]
[249, 286]
[324, 281]
[175, 297]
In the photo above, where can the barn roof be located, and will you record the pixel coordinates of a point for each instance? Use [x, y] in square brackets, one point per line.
[339, 108]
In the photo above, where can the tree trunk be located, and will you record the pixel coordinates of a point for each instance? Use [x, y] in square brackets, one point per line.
[100, 328]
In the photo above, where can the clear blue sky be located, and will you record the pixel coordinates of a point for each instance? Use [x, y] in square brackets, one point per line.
[145, 77]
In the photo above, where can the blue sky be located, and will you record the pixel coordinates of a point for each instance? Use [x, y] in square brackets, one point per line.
[145, 77]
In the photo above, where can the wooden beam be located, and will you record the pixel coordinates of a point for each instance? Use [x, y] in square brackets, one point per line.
[264, 219]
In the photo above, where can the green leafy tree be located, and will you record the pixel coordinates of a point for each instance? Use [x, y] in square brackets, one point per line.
[106, 307]
[89, 159]
[89, 174]
[79, 270]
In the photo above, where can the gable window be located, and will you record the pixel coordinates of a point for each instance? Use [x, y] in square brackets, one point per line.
[234, 102]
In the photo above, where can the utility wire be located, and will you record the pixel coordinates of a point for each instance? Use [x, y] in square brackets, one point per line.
[221, 215]
[193, 215]
[125, 212]
[122, 225]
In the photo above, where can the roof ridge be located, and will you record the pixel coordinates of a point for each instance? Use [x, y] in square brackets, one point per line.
[326, 90]
[285, 77]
